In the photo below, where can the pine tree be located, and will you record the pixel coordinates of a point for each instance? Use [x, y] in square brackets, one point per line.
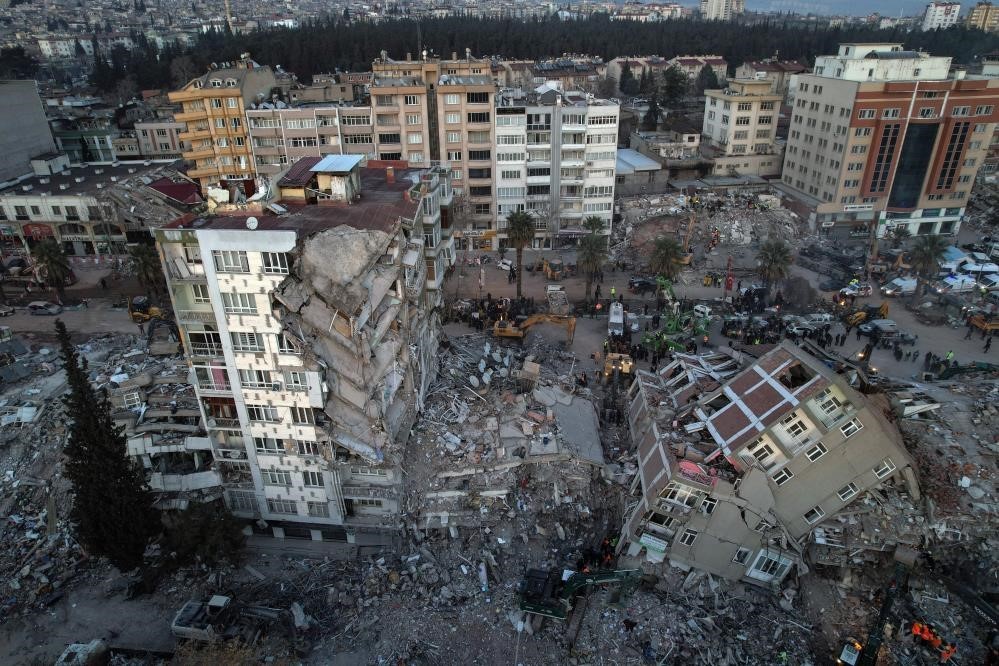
[651, 119]
[112, 511]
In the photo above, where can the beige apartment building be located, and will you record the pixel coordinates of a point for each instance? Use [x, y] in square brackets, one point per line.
[777, 72]
[984, 16]
[740, 459]
[881, 137]
[213, 107]
[160, 139]
[740, 127]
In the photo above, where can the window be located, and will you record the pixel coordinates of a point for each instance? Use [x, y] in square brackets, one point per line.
[454, 155]
[481, 209]
[479, 117]
[742, 555]
[851, 428]
[303, 415]
[319, 509]
[275, 263]
[313, 479]
[961, 110]
[847, 491]
[247, 342]
[307, 448]
[255, 379]
[452, 117]
[451, 99]
[783, 476]
[708, 505]
[227, 261]
[983, 110]
[814, 515]
[200, 292]
[285, 345]
[282, 506]
[762, 452]
[454, 137]
[414, 137]
[510, 174]
[239, 303]
[368, 471]
[231, 103]
[300, 123]
[890, 113]
[482, 155]
[927, 112]
[357, 120]
[242, 501]
[769, 566]
[412, 100]
[816, 452]
[267, 445]
[265, 413]
[363, 501]
[765, 120]
[354, 139]
[456, 174]
[296, 380]
[688, 538]
[681, 494]
[390, 138]
[276, 477]
[865, 114]
[886, 467]
[216, 102]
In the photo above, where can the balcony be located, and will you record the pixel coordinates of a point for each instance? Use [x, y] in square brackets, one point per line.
[196, 316]
[416, 278]
[190, 116]
[184, 482]
[204, 350]
[223, 423]
[208, 387]
[204, 172]
[200, 153]
[184, 271]
[195, 134]
[573, 127]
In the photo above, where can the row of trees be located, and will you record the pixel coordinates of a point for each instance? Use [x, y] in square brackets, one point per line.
[331, 43]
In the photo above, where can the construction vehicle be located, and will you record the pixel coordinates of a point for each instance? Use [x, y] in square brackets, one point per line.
[554, 268]
[558, 302]
[504, 328]
[905, 561]
[616, 365]
[552, 593]
[687, 255]
[989, 326]
[140, 310]
[221, 619]
[867, 312]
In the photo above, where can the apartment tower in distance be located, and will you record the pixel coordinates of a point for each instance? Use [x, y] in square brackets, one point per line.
[722, 10]
[312, 340]
[213, 110]
[984, 16]
[887, 137]
[941, 15]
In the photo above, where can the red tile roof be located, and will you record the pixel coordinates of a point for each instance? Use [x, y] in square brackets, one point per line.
[184, 192]
[299, 174]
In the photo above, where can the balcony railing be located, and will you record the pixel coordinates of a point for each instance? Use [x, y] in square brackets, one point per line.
[218, 387]
[220, 422]
[196, 316]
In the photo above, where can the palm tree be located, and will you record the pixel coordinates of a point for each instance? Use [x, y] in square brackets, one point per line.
[146, 263]
[594, 224]
[925, 258]
[52, 262]
[774, 258]
[898, 235]
[519, 232]
[666, 256]
[590, 256]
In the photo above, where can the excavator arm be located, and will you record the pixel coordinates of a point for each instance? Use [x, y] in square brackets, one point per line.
[546, 593]
[560, 320]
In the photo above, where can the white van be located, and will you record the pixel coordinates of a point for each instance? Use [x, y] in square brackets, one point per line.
[900, 287]
[615, 325]
[954, 285]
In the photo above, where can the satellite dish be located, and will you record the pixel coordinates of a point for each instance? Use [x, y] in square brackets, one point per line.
[251, 223]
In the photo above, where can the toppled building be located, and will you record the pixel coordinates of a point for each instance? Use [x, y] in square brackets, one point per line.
[313, 337]
[737, 466]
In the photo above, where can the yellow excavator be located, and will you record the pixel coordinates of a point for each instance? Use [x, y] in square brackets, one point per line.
[504, 328]
[554, 268]
[868, 312]
[140, 310]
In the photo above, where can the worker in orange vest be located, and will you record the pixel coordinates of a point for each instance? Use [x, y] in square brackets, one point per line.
[947, 653]
[917, 629]
[936, 641]
[926, 634]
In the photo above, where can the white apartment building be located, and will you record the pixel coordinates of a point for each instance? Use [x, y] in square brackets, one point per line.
[941, 15]
[555, 158]
[740, 128]
[722, 10]
[312, 340]
[879, 62]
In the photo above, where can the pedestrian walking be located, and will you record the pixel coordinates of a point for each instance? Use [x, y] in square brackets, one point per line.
[988, 343]
[967, 336]
[950, 356]
[858, 333]
[613, 293]
[596, 294]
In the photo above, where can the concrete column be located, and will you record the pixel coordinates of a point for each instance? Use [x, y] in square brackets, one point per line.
[351, 536]
[278, 532]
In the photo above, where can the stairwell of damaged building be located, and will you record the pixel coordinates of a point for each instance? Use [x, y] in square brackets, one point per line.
[741, 458]
[316, 329]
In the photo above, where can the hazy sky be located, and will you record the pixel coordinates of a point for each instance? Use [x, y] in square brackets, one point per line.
[883, 7]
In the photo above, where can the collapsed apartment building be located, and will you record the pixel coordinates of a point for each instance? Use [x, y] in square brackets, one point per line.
[312, 337]
[740, 459]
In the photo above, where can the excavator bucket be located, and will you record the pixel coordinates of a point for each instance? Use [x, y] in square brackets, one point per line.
[883, 311]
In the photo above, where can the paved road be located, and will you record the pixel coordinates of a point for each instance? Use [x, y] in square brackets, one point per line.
[94, 320]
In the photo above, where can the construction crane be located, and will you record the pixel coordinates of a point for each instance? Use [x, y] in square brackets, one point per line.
[504, 328]
[551, 593]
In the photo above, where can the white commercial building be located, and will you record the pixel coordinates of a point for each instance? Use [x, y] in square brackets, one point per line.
[941, 15]
[722, 10]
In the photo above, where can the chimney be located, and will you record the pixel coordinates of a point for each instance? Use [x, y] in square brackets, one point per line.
[389, 174]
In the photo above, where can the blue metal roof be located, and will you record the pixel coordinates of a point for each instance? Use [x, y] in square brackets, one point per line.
[338, 163]
[630, 161]
[953, 254]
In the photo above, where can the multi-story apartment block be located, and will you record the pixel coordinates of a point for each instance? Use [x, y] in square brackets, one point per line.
[881, 137]
[692, 65]
[737, 466]
[984, 16]
[740, 126]
[941, 15]
[213, 112]
[555, 158]
[69, 47]
[160, 139]
[777, 72]
[312, 339]
[26, 132]
[722, 10]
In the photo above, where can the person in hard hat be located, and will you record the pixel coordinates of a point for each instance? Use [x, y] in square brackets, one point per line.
[949, 651]
[917, 629]
[936, 641]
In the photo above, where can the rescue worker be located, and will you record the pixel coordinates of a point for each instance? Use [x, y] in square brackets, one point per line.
[949, 651]
[917, 629]
[936, 641]
[613, 293]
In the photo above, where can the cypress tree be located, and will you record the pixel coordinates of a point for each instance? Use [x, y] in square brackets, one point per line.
[112, 511]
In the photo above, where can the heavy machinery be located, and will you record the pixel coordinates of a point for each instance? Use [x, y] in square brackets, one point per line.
[687, 255]
[221, 619]
[867, 312]
[622, 364]
[552, 593]
[989, 326]
[504, 328]
[558, 302]
[905, 561]
[140, 310]
[554, 268]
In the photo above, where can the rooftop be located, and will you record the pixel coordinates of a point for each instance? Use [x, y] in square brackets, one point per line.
[337, 163]
[89, 179]
[380, 208]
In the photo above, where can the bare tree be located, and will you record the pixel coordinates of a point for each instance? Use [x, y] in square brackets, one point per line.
[182, 70]
[125, 90]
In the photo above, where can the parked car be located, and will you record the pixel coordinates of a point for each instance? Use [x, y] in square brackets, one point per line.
[955, 284]
[44, 308]
[504, 264]
[860, 289]
[881, 326]
[900, 287]
[801, 328]
[642, 285]
[820, 318]
[6, 310]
